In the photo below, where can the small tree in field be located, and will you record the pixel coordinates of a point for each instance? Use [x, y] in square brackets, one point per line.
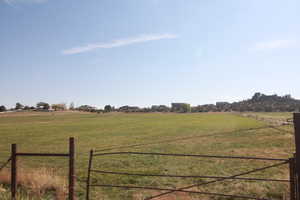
[2, 109]
[60, 106]
[26, 108]
[19, 106]
[108, 108]
[43, 105]
[72, 107]
[186, 108]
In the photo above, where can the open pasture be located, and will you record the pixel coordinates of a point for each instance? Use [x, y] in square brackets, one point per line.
[203, 133]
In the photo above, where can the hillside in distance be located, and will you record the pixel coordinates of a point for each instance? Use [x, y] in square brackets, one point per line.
[258, 103]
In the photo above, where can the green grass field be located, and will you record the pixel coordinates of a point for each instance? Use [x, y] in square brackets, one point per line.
[49, 132]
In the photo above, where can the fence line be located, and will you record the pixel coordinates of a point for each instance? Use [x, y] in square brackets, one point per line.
[192, 155]
[187, 176]
[294, 174]
[178, 190]
[184, 189]
[221, 179]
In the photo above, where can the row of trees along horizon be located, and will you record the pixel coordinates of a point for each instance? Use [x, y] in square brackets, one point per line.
[258, 103]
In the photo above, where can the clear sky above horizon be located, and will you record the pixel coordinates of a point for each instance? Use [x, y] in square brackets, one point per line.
[147, 52]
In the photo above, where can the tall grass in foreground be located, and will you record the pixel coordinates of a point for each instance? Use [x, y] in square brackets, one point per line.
[38, 183]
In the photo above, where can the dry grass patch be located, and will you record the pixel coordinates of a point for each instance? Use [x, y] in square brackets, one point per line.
[38, 182]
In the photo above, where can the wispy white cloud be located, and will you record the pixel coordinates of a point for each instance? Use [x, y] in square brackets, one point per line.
[118, 43]
[274, 44]
[13, 2]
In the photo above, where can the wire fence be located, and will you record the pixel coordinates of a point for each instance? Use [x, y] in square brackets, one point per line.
[221, 179]
[280, 162]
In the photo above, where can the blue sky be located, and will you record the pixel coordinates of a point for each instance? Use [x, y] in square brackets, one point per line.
[144, 52]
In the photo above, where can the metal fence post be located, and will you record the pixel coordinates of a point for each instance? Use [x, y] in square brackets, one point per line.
[13, 171]
[292, 178]
[89, 175]
[71, 168]
[297, 144]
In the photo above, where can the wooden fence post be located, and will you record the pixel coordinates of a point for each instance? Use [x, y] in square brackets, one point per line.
[13, 177]
[297, 144]
[71, 168]
[89, 175]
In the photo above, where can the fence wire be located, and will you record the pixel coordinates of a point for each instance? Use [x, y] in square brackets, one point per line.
[191, 155]
[186, 176]
[5, 163]
[177, 190]
[220, 179]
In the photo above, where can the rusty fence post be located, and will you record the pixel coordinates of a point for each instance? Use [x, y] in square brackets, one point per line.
[295, 179]
[292, 179]
[71, 168]
[89, 175]
[13, 177]
[297, 145]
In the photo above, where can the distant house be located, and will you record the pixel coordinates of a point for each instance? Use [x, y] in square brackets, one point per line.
[129, 109]
[181, 107]
[87, 108]
[160, 108]
[43, 110]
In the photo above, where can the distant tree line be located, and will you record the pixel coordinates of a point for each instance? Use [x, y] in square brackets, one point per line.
[258, 103]
[40, 106]
[176, 107]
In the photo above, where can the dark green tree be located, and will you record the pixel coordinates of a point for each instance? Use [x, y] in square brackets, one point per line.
[26, 108]
[2, 108]
[108, 108]
[43, 105]
[19, 106]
